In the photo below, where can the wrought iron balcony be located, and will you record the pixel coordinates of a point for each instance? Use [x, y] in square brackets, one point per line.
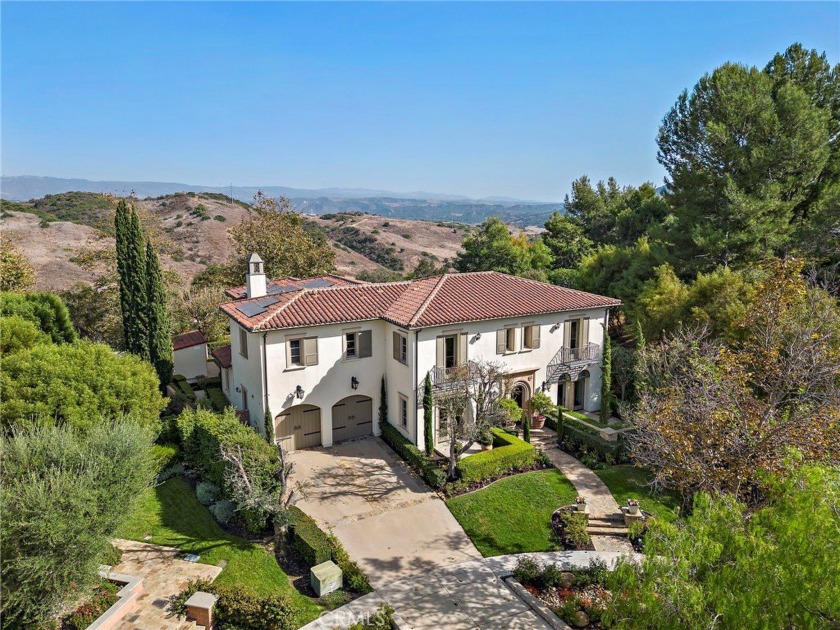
[569, 362]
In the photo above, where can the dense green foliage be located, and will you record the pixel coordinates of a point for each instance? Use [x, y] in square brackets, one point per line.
[428, 415]
[722, 566]
[133, 282]
[46, 310]
[585, 444]
[432, 474]
[104, 596]
[606, 379]
[85, 208]
[64, 494]
[79, 384]
[16, 273]
[17, 333]
[160, 334]
[509, 453]
[203, 434]
[492, 248]
[513, 515]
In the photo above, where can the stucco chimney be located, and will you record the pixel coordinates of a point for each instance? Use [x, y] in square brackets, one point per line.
[255, 279]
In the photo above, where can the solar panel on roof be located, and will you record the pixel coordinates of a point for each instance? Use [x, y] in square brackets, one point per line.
[267, 301]
[250, 309]
[317, 283]
[275, 289]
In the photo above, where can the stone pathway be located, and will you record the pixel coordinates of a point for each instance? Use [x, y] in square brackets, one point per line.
[600, 501]
[466, 596]
[163, 575]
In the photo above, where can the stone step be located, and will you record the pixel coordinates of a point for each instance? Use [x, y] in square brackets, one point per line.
[607, 531]
[595, 522]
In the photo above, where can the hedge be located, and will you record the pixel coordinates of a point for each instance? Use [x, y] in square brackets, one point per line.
[164, 456]
[417, 459]
[509, 453]
[316, 546]
[581, 442]
[180, 383]
[217, 398]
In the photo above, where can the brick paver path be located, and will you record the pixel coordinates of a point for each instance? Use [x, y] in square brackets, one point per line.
[163, 575]
[599, 499]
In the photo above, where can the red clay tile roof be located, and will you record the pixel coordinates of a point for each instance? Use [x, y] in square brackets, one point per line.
[438, 301]
[188, 340]
[239, 293]
[222, 356]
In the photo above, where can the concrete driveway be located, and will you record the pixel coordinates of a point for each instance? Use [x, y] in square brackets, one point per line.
[389, 521]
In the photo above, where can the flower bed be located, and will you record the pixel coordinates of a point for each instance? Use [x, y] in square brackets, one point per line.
[569, 526]
[578, 596]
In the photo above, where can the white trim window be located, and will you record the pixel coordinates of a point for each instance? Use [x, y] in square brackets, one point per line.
[400, 343]
[530, 337]
[403, 411]
[243, 343]
[301, 352]
[358, 344]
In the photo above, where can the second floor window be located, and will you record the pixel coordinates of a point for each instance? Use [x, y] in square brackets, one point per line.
[358, 344]
[295, 357]
[400, 347]
[243, 343]
[451, 351]
[510, 339]
[530, 337]
[301, 351]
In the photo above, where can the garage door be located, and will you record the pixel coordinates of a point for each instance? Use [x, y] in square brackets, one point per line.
[300, 427]
[352, 418]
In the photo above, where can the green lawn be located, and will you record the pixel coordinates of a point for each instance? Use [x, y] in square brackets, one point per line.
[628, 482]
[513, 515]
[172, 515]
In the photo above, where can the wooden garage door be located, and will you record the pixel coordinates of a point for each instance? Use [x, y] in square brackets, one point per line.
[300, 427]
[352, 418]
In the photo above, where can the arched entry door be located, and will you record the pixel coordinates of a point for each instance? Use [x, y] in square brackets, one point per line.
[352, 417]
[299, 427]
[521, 393]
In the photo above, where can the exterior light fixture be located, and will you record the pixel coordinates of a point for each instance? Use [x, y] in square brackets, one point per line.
[354, 382]
[545, 386]
[299, 392]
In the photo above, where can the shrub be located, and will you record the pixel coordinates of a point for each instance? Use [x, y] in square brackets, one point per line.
[509, 453]
[575, 530]
[433, 474]
[79, 486]
[381, 619]
[164, 456]
[241, 609]
[112, 556]
[220, 218]
[103, 598]
[180, 383]
[223, 511]
[206, 492]
[46, 310]
[316, 546]
[217, 398]
[173, 471]
[17, 333]
[527, 571]
[585, 443]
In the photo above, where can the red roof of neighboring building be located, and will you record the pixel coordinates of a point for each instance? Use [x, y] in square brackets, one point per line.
[437, 301]
[188, 340]
[222, 356]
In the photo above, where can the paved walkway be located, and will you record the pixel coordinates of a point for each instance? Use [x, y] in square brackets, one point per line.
[163, 575]
[389, 521]
[467, 596]
[599, 499]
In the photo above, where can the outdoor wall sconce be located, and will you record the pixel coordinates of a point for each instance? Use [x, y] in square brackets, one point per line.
[555, 327]
[477, 336]
[544, 386]
[238, 391]
[299, 392]
[354, 382]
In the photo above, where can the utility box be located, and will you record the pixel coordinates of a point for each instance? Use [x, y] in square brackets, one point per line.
[325, 578]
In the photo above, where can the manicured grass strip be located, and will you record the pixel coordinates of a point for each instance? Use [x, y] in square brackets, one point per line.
[172, 515]
[513, 515]
[628, 482]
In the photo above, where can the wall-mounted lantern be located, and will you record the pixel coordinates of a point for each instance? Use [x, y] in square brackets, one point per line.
[299, 392]
[354, 382]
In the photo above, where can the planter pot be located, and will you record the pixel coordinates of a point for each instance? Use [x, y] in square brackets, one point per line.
[537, 422]
[633, 509]
[486, 447]
[580, 507]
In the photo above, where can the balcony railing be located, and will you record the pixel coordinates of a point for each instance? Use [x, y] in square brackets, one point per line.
[572, 360]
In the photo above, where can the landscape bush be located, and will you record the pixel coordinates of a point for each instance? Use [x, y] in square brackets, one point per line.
[431, 472]
[80, 384]
[181, 385]
[17, 333]
[206, 492]
[509, 453]
[46, 310]
[104, 596]
[217, 398]
[65, 492]
[112, 555]
[164, 456]
[316, 546]
[223, 511]
[204, 433]
[241, 609]
[583, 442]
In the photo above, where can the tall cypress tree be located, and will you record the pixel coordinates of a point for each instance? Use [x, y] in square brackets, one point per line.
[137, 336]
[428, 403]
[121, 221]
[160, 340]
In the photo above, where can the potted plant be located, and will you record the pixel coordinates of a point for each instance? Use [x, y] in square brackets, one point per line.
[485, 439]
[580, 504]
[633, 506]
[541, 405]
[510, 411]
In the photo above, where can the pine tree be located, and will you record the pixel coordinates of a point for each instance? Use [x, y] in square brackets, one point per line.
[134, 288]
[428, 405]
[526, 427]
[606, 379]
[383, 406]
[269, 427]
[160, 339]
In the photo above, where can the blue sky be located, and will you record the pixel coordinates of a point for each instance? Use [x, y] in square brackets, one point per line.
[473, 98]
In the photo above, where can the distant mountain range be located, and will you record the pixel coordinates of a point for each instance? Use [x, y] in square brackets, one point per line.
[413, 205]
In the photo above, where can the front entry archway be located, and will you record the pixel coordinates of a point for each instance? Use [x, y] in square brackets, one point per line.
[299, 427]
[521, 393]
[352, 417]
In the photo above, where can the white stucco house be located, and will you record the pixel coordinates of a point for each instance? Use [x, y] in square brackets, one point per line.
[313, 352]
[189, 355]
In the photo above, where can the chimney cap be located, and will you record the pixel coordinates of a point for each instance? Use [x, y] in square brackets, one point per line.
[255, 257]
